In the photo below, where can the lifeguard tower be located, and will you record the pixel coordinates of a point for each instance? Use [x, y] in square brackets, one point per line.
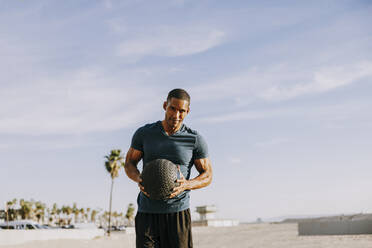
[206, 212]
[208, 218]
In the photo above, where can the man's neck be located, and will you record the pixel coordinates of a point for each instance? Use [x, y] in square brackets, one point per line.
[170, 130]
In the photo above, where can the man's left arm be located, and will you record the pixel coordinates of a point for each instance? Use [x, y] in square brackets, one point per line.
[204, 167]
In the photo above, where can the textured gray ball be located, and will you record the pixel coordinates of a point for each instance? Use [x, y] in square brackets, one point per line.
[159, 178]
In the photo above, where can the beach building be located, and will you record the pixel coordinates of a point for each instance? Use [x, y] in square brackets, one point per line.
[207, 217]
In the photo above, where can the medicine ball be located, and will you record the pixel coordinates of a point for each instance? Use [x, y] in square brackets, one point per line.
[159, 178]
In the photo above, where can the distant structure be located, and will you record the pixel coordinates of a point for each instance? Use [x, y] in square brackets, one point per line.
[342, 227]
[206, 212]
[208, 218]
[337, 225]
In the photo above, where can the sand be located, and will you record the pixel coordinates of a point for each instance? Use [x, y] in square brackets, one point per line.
[255, 235]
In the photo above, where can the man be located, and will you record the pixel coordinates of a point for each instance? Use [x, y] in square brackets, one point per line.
[167, 223]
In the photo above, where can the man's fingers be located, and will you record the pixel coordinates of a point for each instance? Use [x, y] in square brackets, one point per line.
[176, 189]
[181, 180]
[174, 193]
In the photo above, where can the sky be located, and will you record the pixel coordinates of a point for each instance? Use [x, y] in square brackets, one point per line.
[280, 90]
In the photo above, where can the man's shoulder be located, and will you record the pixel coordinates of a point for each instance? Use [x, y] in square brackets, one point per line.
[189, 130]
[149, 126]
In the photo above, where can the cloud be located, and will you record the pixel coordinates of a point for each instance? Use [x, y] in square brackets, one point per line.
[235, 160]
[241, 115]
[83, 103]
[62, 142]
[271, 142]
[170, 42]
[329, 116]
[323, 80]
[108, 4]
[283, 81]
[247, 86]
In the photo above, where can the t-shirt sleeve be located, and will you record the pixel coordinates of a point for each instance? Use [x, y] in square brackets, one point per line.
[201, 148]
[137, 140]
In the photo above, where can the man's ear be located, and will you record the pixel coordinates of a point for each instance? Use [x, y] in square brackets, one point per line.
[165, 105]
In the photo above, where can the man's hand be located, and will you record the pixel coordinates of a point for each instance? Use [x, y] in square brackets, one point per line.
[142, 188]
[184, 185]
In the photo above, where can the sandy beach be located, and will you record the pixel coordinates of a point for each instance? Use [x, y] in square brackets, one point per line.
[255, 235]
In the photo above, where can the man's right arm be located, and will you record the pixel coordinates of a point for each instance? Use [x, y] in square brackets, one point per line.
[130, 167]
[131, 161]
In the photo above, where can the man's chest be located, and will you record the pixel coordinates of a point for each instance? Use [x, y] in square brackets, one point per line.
[176, 148]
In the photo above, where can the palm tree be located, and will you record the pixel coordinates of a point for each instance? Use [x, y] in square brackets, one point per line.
[87, 213]
[58, 212]
[64, 213]
[40, 211]
[54, 212]
[26, 209]
[11, 212]
[76, 212]
[113, 164]
[33, 209]
[93, 216]
[82, 213]
[69, 212]
[130, 213]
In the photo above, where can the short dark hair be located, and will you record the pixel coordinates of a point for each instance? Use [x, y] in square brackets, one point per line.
[179, 94]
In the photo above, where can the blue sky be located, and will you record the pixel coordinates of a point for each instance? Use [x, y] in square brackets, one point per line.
[281, 90]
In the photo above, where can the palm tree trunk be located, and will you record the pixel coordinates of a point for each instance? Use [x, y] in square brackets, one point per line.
[7, 217]
[109, 223]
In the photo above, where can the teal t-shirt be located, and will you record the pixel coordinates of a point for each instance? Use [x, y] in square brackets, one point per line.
[182, 148]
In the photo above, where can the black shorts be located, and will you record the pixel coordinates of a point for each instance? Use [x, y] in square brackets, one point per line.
[172, 230]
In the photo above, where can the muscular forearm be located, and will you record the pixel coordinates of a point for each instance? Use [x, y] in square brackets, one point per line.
[203, 180]
[132, 171]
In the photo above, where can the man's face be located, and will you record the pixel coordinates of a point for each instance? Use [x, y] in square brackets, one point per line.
[175, 111]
